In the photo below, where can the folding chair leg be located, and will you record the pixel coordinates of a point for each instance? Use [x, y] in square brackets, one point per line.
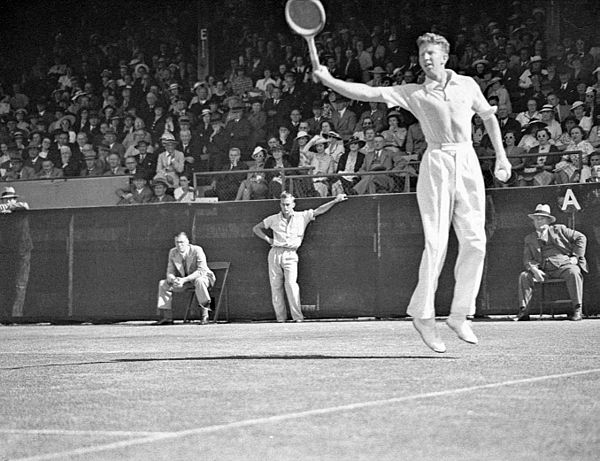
[189, 306]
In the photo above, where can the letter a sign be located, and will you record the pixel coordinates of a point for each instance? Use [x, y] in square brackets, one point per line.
[570, 200]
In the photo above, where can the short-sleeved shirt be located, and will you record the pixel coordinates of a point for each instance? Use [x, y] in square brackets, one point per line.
[289, 233]
[444, 111]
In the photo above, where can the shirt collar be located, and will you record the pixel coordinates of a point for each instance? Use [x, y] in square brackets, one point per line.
[431, 85]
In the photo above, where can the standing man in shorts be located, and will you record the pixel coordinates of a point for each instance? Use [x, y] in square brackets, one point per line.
[450, 187]
[288, 231]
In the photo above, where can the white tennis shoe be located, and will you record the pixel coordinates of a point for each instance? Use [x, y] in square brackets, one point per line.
[429, 334]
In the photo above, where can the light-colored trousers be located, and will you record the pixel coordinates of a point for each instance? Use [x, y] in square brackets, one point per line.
[166, 290]
[450, 191]
[283, 274]
[570, 273]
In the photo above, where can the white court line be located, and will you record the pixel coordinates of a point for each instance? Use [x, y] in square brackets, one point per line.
[67, 432]
[301, 414]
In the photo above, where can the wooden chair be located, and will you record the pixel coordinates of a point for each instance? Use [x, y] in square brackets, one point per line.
[551, 293]
[218, 291]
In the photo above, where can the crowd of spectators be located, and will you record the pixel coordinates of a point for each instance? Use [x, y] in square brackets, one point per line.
[134, 105]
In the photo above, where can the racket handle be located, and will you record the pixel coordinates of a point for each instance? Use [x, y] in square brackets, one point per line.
[312, 51]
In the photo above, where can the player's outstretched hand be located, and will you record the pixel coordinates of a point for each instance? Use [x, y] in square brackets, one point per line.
[323, 74]
[340, 198]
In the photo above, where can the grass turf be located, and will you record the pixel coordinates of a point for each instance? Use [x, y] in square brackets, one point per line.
[315, 390]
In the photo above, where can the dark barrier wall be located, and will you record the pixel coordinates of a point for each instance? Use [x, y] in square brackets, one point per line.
[360, 259]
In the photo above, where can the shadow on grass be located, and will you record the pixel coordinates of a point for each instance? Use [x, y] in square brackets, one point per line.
[240, 357]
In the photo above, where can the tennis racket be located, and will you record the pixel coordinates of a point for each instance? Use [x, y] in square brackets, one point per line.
[306, 18]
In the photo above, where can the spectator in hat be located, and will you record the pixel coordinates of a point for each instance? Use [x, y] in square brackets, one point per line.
[9, 202]
[192, 152]
[49, 171]
[160, 185]
[578, 111]
[16, 169]
[255, 186]
[350, 162]
[547, 116]
[528, 138]
[536, 64]
[146, 160]
[397, 129]
[239, 131]
[92, 165]
[496, 88]
[33, 160]
[552, 251]
[137, 192]
[171, 162]
[157, 123]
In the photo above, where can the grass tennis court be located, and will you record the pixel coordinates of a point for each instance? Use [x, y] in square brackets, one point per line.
[352, 390]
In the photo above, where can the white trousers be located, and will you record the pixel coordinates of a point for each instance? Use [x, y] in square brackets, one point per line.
[166, 290]
[283, 274]
[450, 191]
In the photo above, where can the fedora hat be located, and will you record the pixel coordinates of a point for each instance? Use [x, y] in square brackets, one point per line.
[543, 210]
[377, 70]
[160, 180]
[9, 192]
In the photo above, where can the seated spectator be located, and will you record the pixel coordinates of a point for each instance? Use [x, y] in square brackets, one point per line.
[415, 140]
[16, 170]
[404, 168]
[530, 114]
[578, 143]
[335, 147]
[160, 185]
[93, 167]
[277, 160]
[137, 192]
[255, 186]
[552, 251]
[171, 162]
[342, 118]
[350, 162]
[397, 130]
[578, 110]
[49, 171]
[565, 138]
[185, 192]
[547, 116]
[322, 163]
[113, 165]
[226, 186]
[69, 166]
[537, 171]
[529, 134]
[378, 160]
[513, 152]
[376, 115]
[33, 160]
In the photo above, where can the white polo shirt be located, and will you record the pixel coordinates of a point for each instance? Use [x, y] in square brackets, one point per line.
[444, 112]
[289, 233]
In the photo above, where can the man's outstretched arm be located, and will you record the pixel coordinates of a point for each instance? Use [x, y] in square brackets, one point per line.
[327, 206]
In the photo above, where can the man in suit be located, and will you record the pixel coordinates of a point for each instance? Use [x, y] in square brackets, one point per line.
[187, 268]
[507, 123]
[137, 192]
[114, 165]
[49, 171]
[552, 251]
[226, 186]
[343, 119]
[146, 160]
[379, 159]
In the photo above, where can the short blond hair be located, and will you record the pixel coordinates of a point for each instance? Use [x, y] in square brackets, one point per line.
[435, 39]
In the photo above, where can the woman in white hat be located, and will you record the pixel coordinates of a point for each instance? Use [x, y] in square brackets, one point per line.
[322, 164]
[255, 186]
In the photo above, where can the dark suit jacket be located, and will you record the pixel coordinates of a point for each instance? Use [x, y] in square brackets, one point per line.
[344, 125]
[370, 162]
[571, 243]
[360, 158]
